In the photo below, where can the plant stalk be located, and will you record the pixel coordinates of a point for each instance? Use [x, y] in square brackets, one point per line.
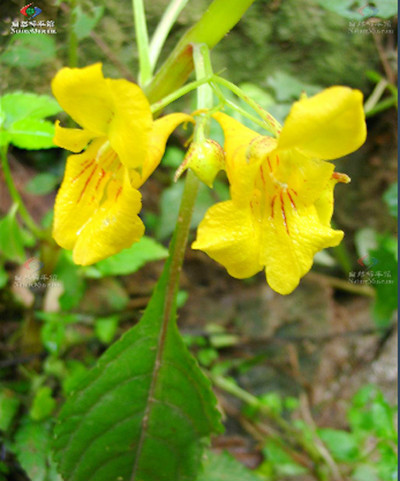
[142, 41]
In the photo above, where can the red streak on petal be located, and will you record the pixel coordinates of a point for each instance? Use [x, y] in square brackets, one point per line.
[294, 192]
[283, 212]
[87, 183]
[262, 174]
[277, 160]
[269, 164]
[291, 201]
[102, 174]
[118, 193]
[83, 170]
[272, 205]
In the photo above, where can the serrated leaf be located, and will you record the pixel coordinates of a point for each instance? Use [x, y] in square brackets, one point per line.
[11, 239]
[29, 51]
[20, 105]
[223, 467]
[143, 412]
[32, 134]
[132, 259]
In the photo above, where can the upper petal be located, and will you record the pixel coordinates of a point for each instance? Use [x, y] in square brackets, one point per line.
[231, 237]
[327, 126]
[84, 94]
[74, 140]
[130, 126]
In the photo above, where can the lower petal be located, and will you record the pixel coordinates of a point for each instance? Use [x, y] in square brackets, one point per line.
[114, 226]
[230, 237]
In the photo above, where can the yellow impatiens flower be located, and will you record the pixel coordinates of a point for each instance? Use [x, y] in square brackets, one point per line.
[97, 206]
[281, 203]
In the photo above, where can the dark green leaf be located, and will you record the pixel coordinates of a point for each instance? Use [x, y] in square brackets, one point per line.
[223, 467]
[142, 413]
[29, 51]
[43, 183]
[9, 404]
[11, 239]
[132, 259]
[32, 134]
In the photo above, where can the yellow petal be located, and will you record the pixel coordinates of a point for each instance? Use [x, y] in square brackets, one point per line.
[131, 123]
[245, 150]
[290, 239]
[324, 204]
[327, 126]
[162, 129]
[230, 237]
[84, 94]
[74, 140]
[114, 226]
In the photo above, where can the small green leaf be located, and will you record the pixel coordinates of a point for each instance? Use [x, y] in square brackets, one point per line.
[32, 447]
[32, 134]
[132, 259]
[105, 328]
[29, 51]
[341, 444]
[85, 23]
[223, 467]
[145, 400]
[173, 157]
[279, 461]
[43, 404]
[390, 197]
[3, 277]
[73, 283]
[42, 184]
[9, 404]
[21, 105]
[11, 239]
[365, 472]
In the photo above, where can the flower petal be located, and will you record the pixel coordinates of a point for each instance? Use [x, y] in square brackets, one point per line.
[74, 140]
[230, 237]
[290, 240]
[324, 204]
[327, 126]
[114, 226]
[84, 94]
[162, 129]
[130, 126]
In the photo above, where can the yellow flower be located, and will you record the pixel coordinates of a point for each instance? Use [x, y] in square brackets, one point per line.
[97, 206]
[281, 203]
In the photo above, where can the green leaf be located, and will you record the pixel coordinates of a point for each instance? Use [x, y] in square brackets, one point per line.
[11, 239]
[85, 23]
[390, 197]
[105, 328]
[43, 404]
[223, 467]
[32, 447]
[42, 184]
[9, 404]
[341, 444]
[132, 259]
[3, 277]
[29, 51]
[364, 472]
[173, 157]
[73, 283]
[20, 105]
[279, 461]
[32, 134]
[288, 88]
[143, 412]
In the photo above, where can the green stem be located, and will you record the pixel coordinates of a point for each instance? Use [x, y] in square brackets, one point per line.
[142, 41]
[161, 104]
[220, 17]
[16, 198]
[271, 123]
[73, 39]
[161, 33]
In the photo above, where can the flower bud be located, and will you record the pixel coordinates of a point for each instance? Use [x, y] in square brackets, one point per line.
[205, 158]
